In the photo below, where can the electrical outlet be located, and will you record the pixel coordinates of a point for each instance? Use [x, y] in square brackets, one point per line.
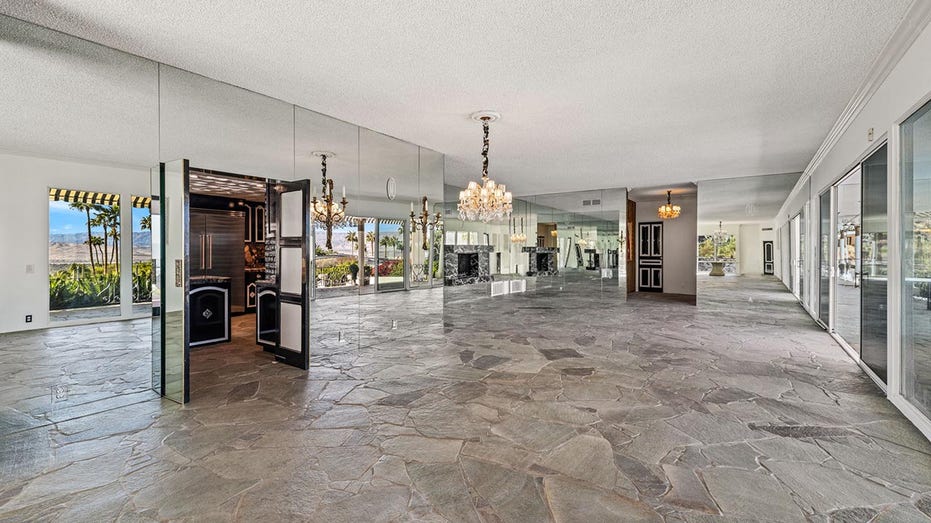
[29, 318]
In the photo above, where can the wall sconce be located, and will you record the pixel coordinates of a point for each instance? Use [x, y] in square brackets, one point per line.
[423, 221]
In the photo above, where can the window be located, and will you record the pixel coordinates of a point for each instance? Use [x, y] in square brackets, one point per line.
[84, 254]
[142, 250]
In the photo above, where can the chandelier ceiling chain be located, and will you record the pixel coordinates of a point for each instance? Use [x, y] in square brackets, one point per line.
[668, 211]
[326, 210]
[487, 201]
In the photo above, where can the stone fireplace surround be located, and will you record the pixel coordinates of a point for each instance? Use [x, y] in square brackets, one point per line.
[538, 255]
[478, 264]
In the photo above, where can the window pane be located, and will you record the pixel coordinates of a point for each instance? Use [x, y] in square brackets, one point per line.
[84, 254]
[916, 259]
[873, 268]
[142, 252]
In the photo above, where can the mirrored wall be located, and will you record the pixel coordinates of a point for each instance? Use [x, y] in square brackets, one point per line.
[375, 266]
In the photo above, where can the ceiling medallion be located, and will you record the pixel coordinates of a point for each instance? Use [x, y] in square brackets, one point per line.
[485, 201]
[668, 211]
[325, 210]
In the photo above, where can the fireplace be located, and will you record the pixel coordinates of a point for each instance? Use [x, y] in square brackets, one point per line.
[542, 261]
[468, 264]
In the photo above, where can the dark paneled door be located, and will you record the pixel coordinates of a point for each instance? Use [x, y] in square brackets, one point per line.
[768, 267]
[650, 257]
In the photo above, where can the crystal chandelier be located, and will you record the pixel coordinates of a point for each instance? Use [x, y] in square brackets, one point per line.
[719, 238]
[518, 237]
[669, 211]
[486, 201]
[325, 210]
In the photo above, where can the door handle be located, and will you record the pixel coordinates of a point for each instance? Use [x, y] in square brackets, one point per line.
[203, 252]
[210, 251]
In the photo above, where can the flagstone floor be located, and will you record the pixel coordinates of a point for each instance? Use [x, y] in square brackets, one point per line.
[565, 403]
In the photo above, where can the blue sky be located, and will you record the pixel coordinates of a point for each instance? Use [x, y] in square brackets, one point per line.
[64, 220]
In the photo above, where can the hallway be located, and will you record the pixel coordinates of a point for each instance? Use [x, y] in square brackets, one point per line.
[559, 404]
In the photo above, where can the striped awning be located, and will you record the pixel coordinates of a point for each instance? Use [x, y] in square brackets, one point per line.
[142, 202]
[74, 196]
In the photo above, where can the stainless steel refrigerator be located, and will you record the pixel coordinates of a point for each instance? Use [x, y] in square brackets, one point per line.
[217, 240]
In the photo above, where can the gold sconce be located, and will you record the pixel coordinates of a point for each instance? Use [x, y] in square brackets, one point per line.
[325, 210]
[423, 222]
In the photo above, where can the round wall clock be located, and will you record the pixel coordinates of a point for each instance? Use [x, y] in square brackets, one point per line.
[391, 188]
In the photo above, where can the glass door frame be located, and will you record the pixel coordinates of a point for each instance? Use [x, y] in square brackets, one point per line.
[848, 348]
[894, 240]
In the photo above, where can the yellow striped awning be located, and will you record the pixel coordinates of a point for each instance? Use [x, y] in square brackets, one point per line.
[142, 202]
[75, 196]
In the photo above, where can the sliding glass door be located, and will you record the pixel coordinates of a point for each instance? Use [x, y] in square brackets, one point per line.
[847, 260]
[916, 259]
[824, 258]
[873, 268]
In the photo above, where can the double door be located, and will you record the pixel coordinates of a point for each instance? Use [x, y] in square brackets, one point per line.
[650, 257]
[178, 255]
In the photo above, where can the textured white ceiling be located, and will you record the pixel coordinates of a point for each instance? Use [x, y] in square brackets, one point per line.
[744, 200]
[593, 95]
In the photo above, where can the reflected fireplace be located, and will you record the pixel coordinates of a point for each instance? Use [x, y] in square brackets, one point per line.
[466, 264]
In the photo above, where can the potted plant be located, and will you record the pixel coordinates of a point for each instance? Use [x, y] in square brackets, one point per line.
[354, 271]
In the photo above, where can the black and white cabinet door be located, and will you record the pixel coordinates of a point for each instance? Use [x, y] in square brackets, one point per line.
[650, 257]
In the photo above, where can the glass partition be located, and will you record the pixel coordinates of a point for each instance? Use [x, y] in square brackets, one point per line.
[916, 259]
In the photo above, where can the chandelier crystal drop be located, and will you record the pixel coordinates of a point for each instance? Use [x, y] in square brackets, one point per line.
[326, 210]
[668, 211]
[486, 201]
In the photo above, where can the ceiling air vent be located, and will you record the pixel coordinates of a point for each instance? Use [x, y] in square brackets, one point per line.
[767, 228]
[587, 203]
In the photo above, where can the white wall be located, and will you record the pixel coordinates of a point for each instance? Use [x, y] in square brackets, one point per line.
[680, 254]
[24, 213]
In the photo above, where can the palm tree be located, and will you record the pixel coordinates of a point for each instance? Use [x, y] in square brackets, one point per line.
[146, 223]
[113, 222]
[94, 244]
[99, 221]
[86, 207]
[385, 241]
[352, 238]
[370, 239]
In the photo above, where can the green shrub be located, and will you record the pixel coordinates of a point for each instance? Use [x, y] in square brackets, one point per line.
[142, 282]
[78, 286]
